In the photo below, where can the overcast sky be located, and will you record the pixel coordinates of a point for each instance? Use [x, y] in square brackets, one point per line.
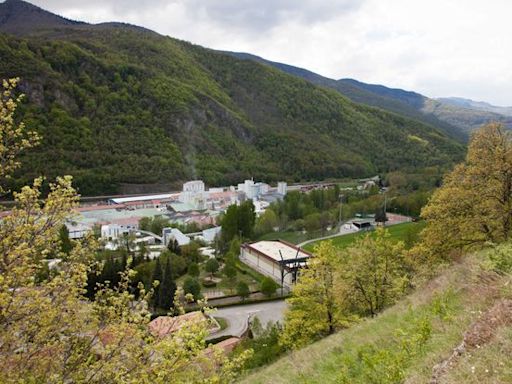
[435, 47]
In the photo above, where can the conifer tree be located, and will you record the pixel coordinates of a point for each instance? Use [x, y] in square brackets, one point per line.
[157, 276]
[167, 287]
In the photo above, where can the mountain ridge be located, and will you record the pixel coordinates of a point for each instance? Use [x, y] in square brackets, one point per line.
[456, 120]
[118, 106]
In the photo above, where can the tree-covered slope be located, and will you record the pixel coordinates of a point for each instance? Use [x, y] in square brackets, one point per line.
[455, 118]
[117, 104]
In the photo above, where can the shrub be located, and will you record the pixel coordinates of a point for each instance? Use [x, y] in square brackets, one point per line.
[193, 270]
[242, 290]
[268, 286]
[192, 286]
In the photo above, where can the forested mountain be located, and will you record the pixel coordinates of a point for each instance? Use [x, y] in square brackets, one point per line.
[451, 115]
[117, 104]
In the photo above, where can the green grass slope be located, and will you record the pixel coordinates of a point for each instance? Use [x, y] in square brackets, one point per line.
[116, 105]
[382, 349]
[406, 232]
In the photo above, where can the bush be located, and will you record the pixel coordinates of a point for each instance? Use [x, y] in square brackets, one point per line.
[192, 286]
[268, 286]
[212, 266]
[501, 258]
[193, 270]
[242, 290]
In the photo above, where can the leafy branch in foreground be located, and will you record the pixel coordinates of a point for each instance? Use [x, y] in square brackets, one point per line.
[49, 331]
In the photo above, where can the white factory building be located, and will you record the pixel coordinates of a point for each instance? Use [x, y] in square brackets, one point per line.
[194, 194]
[115, 231]
[171, 234]
[274, 258]
[252, 190]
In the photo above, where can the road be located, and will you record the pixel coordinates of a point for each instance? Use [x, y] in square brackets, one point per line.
[237, 316]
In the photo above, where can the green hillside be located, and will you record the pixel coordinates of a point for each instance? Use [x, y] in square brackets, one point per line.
[408, 340]
[118, 105]
[456, 119]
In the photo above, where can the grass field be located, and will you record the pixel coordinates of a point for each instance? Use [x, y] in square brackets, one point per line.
[294, 237]
[453, 301]
[406, 232]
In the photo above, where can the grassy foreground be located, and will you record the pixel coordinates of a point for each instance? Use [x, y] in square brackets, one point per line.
[454, 301]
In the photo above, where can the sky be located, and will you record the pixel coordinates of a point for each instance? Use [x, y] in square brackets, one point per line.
[439, 48]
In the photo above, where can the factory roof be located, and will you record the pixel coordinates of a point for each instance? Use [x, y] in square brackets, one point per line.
[274, 249]
[121, 200]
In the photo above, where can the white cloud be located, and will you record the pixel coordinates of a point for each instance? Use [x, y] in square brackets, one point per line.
[436, 47]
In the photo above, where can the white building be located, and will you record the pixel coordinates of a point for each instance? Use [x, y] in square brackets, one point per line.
[260, 206]
[194, 186]
[282, 188]
[210, 234]
[171, 234]
[272, 258]
[77, 230]
[194, 194]
[252, 190]
[115, 231]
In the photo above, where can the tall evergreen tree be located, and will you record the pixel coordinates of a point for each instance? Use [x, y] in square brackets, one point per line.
[167, 288]
[157, 276]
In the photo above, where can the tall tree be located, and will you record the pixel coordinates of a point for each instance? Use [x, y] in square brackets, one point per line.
[238, 221]
[212, 266]
[315, 309]
[167, 287]
[474, 205]
[157, 276]
[372, 273]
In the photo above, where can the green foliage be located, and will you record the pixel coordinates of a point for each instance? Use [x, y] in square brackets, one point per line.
[156, 280]
[374, 273]
[268, 286]
[192, 286]
[193, 270]
[211, 266]
[500, 258]
[167, 287]
[154, 224]
[265, 344]
[373, 363]
[65, 243]
[242, 290]
[315, 309]
[238, 220]
[120, 106]
[229, 271]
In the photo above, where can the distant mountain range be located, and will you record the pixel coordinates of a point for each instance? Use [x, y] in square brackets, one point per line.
[119, 107]
[455, 116]
[477, 105]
